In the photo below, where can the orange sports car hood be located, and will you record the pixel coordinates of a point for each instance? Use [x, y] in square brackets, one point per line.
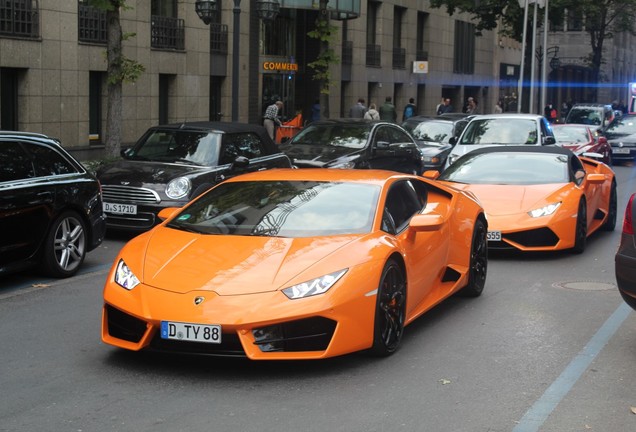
[230, 265]
[503, 200]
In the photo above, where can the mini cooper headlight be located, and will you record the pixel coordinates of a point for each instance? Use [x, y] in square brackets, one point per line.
[124, 277]
[344, 165]
[317, 286]
[178, 188]
[544, 211]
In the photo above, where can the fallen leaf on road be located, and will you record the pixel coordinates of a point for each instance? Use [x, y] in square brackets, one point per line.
[633, 410]
[40, 285]
[444, 381]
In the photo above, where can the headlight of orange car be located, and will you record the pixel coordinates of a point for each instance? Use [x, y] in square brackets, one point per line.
[544, 211]
[124, 277]
[320, 285]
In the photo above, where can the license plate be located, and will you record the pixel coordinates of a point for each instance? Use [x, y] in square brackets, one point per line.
[620, 150]
[493, 236]
[130, 209]
[208, 333]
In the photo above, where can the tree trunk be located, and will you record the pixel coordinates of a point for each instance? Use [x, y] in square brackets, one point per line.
[114, 110]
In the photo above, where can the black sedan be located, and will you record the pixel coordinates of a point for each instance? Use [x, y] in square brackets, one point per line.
[625, 259]
[50, 206]
[433, 134]
[621, 134]
[173, 164]
[354, 143]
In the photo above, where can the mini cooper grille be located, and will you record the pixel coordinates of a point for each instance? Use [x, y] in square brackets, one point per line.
[130, 194]
[541, 237]
[310, 334]
[124, 326]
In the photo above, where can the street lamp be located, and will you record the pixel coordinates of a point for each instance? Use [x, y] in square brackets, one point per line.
[265, 9]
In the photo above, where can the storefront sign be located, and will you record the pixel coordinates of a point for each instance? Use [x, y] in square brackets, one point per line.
[271, 66]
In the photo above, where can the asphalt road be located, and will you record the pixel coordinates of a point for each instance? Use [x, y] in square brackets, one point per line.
[549, 346]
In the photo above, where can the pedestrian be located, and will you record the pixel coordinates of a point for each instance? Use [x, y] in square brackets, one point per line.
[315, 111]
[498, 107]
[447, 107]
[373, 113]
[440, 107]
[358, 110]
[471, 109]
[387, 110]
[409, 110]
[271, 120]
[550, 113]
[468, 105]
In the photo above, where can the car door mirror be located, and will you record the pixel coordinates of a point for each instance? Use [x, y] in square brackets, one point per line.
[595, 178]
[167, 212]
[548, 140]
[426, 222]
[240, 162]
[383, 145]
[431, 174]
[452, 140]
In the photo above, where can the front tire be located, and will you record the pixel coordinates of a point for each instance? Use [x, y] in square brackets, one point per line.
[610, 223]
[478, 261]
[65, 246]
[580, 232]
[390, 310]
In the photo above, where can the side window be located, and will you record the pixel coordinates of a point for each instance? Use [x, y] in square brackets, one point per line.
[49, 162]
[382, 134]
[398, 136]
[241, 144]
[15, 163]
[402, 202]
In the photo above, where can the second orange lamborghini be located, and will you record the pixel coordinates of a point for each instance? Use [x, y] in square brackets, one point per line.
[538, 198]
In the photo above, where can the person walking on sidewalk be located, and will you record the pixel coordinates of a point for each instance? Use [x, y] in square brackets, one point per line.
[271, 120]
[387, 111]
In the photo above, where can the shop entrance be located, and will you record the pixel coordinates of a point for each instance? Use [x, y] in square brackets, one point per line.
[279, 86]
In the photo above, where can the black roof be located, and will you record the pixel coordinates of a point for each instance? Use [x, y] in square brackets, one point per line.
[230, 127]
[549, 149]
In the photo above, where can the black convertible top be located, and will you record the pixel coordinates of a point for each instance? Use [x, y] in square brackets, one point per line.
[550, 149]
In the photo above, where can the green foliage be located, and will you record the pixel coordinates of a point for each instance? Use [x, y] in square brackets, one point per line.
[109, 5]
[327, 35]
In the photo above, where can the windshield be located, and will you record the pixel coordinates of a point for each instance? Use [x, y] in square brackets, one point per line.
[570, 134]
[508, 168]
[432, 131]
[200, 148]
[338, 135]
[588, 116]
[626, 125]
[282, 208]
[500, 131]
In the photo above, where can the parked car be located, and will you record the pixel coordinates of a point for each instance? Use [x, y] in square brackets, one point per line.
[50, 206]
[583, 140]
[354, 143]
[499, 130]
[433, 135]
[621, 134]
[296, 264]
[599, 115]
[625, 259]
[537, 198]
[172, 164]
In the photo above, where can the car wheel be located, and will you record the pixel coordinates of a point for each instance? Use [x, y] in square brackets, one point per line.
[65, 246]
[478, 261]
[390, 310]
[610, 223]
[580, 232]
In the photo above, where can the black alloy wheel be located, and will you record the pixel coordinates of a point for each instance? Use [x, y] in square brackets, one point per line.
[390, 310]
[478, 261]
[580, 233]
[610, 222]
[65, 247]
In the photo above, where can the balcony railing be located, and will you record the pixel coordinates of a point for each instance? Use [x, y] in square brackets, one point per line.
[347, 52]
[167, 33]
[20, 18]
[399, 58]
[374, 55]
[91, 25]
[218, 38]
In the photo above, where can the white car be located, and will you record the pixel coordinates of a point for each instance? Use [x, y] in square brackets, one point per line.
[501, 129]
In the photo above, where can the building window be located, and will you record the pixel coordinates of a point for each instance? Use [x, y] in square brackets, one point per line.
[373, 50]
[347, 45]
[574, 19]
[95, 100]
[91, 23]
[166, 30]
[399, 53]
[166, 83]
[279, 37]
[421, 52]
[464, 59]
[218, 38]
[20, 18]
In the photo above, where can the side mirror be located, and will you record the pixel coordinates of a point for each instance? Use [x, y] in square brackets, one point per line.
[452, 140]
[549, 140]
[167, 213]
[383, 144]
[240, 162]
[596, 178]
[426, 222]
[431, 174]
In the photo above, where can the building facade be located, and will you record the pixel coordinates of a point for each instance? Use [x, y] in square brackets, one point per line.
[53, 66]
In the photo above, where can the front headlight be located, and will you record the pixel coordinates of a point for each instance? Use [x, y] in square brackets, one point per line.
[124, 277]
[344, 165]
[178, 188]
[317, 286]
[544, 211]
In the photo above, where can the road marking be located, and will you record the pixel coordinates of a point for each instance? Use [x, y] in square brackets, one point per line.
[534, 418]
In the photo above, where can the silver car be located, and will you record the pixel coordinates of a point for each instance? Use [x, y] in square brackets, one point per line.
[501, 129]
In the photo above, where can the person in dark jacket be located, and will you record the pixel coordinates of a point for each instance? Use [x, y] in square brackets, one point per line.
[358, 110]
[387, 111]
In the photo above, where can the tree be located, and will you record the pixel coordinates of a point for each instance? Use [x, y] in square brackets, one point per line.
[603, 19]
[120, 69]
